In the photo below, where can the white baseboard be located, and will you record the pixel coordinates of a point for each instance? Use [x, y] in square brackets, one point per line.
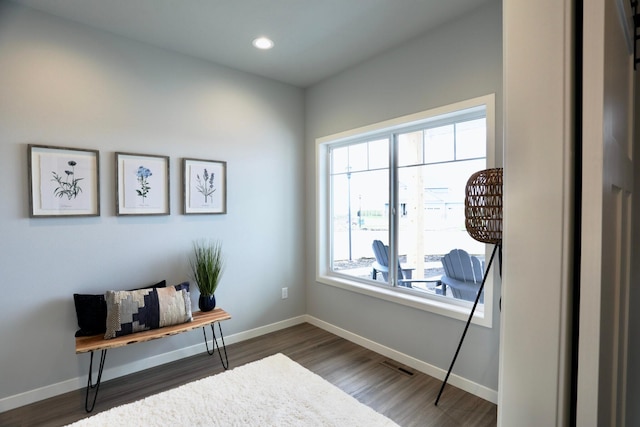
[455, 380]
[35, 395]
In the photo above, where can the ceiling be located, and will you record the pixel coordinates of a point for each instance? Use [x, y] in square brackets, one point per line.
[314, 39]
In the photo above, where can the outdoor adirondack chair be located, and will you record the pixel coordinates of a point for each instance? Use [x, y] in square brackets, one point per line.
[381, 264]
[463, 274]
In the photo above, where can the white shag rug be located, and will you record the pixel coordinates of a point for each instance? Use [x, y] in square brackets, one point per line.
[274, 391]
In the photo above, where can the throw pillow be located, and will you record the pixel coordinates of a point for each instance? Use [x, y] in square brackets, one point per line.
[91, 311]
[181, 286]
[134, 311]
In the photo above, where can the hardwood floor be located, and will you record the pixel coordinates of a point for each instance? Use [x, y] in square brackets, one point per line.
[405, 397]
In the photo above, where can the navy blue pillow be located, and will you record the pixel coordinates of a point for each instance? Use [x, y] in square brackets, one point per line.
[181, 286]
[91, 311]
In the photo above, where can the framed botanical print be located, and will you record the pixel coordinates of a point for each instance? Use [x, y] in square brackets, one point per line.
[205, 186]
[142, 184]
[63, 181]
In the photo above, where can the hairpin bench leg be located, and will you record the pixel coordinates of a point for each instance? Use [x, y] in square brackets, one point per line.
[90, 385]
[225, 362]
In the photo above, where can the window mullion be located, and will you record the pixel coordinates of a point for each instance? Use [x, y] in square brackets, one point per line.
[393, 211]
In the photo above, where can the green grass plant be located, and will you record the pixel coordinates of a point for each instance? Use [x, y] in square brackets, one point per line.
[207, 265]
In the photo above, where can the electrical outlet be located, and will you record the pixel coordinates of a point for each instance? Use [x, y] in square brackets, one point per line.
[285, 293]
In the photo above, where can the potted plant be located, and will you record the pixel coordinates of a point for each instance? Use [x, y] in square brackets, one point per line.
[207, 265]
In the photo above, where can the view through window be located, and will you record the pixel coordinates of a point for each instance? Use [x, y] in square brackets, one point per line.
[421, 169]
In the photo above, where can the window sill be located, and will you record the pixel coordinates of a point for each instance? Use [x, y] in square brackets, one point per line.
[431, 303]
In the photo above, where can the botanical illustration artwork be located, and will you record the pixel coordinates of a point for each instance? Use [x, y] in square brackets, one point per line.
[63, 181]
[204, 186]
[143, 179]
[69, 185]
[143, 184]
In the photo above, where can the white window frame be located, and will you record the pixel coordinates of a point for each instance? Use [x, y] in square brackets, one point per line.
[453, 308]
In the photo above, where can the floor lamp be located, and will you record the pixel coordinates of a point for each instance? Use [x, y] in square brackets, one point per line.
[483, 220]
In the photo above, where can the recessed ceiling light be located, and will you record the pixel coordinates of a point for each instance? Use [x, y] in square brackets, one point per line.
[263, 43]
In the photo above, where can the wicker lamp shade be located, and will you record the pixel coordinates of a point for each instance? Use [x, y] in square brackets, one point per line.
[483, 206]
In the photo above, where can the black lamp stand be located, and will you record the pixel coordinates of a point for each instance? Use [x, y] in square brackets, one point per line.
[496, 248]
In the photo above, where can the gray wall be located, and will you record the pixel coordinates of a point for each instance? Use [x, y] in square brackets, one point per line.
[459, 61]
[537, 217]
[66, 85]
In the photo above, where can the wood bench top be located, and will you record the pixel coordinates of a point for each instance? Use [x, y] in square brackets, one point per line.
[97, 342]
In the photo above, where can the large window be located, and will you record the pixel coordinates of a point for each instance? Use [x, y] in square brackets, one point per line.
[391, 205]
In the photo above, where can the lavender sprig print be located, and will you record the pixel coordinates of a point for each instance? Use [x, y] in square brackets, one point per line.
[205, 185]
[143, 175]
[71, 189]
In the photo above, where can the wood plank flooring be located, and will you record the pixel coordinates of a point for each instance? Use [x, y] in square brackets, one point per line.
[405, 397]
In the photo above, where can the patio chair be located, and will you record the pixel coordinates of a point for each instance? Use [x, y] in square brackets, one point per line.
[381, 264]
[463, 274]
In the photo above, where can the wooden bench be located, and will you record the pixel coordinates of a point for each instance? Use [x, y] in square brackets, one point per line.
[97, 342]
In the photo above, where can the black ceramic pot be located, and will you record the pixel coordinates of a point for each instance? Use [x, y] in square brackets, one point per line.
[207, 302]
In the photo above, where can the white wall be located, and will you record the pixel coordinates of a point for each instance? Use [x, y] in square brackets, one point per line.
[537, 213]
[458, 61]
[66, 85]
